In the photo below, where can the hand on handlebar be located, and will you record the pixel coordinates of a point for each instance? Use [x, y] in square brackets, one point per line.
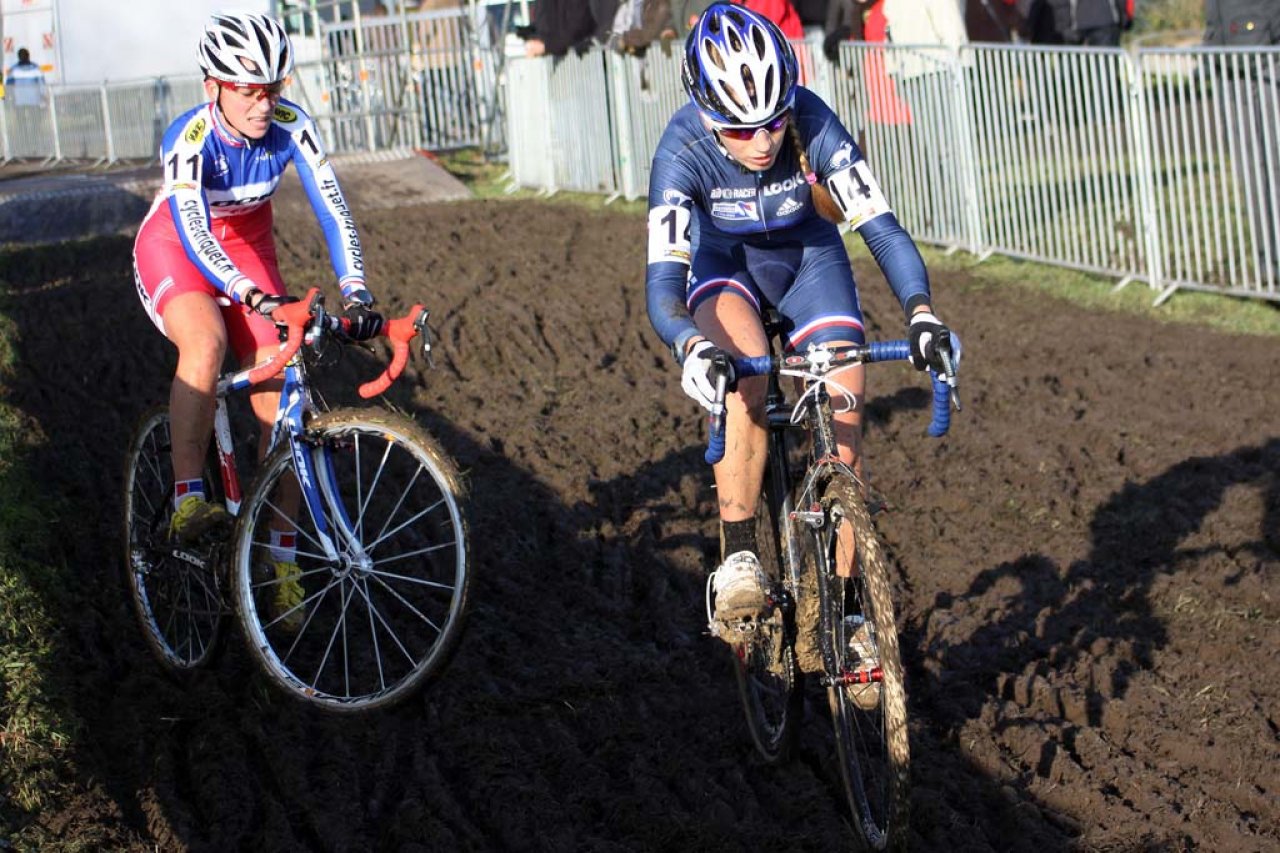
[362, 323]
[266, 303]
[700, 372]
[932, 344]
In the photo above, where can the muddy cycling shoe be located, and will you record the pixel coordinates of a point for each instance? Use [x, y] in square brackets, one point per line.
[196, 518]
[739, 587]
[288, 595]
[862, 656]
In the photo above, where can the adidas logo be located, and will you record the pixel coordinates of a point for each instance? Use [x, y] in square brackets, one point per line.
[788, 207]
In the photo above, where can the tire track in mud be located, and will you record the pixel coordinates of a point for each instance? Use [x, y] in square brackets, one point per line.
[1079, 559]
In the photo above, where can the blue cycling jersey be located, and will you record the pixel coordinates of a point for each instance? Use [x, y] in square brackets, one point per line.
[699, 195]
[210, 173]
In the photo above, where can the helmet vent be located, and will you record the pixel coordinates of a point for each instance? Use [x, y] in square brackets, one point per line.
[713, 52]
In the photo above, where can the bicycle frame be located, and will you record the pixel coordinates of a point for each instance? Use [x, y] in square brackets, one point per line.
[295, 404]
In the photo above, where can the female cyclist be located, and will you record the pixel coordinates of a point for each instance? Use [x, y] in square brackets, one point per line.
[205, 260]
[746, 184]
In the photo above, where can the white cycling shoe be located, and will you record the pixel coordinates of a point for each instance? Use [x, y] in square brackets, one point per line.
[739, 588]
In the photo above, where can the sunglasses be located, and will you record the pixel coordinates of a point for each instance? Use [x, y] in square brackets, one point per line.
[746, 134]
[256, 92]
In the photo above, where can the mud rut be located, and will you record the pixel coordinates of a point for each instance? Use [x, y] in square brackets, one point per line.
[1087, 571]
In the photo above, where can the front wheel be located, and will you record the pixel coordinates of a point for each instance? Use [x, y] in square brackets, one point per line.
[351, 582]
[863, 668]
[175, 590]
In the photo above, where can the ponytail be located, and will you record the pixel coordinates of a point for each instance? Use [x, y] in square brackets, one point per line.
[822, 200]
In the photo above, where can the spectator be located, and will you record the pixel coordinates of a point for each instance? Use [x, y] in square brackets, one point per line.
[1246, 97]
[926, 22]
[559, 25]
[813, 13]
[995, 20]
[1038, 24]
[1096, 23]
[685, 13]
[782, 13]
[655, 23]
[25, 82]
[844, 22]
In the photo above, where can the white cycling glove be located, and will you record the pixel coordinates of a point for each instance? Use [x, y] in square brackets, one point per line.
[698, 380]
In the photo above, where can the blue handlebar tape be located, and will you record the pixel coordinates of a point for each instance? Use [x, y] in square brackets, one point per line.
[941, 406]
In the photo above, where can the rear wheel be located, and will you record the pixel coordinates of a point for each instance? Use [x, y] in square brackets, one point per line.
[764, 660]
[175, 591]
[864, 674]
[380, 563]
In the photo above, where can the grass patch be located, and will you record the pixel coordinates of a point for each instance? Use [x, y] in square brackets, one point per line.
[489, 179]
[37, 725]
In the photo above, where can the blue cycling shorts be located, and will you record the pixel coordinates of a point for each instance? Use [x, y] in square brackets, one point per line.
[809, 281]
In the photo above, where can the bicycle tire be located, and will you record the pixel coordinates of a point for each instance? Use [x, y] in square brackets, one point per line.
[769, 680]
[407, 598]
[180, 605]
[871, 732]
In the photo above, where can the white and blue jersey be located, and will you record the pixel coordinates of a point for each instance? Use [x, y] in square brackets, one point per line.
[715, 226]
[211, 175]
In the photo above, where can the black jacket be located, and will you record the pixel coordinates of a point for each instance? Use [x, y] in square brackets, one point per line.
[565, 24]
[1072, 16]
[1241, 23]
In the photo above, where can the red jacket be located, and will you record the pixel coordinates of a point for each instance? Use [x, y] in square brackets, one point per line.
[782, 13]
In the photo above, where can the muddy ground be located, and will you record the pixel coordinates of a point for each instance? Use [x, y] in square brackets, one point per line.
[1087, 571]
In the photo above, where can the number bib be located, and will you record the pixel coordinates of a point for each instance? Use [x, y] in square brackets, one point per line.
[857, 194]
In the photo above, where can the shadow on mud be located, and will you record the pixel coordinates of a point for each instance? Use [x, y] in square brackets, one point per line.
[1064, 644]
[583, 702]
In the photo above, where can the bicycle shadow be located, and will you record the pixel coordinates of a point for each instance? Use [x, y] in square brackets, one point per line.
[1135, 536]
[1063, 645]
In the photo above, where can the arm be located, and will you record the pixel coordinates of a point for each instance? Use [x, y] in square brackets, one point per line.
[327, 201]
[670, 250]
[845, 174]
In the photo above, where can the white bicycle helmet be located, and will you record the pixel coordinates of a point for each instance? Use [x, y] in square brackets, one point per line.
[245, 48]
[738, 66]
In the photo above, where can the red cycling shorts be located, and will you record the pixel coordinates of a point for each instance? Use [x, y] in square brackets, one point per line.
[162, 270]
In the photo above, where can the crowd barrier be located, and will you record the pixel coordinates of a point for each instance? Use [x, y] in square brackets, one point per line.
[1158, 165]
[421, 80]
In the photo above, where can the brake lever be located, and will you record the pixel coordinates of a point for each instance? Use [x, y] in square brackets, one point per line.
[420, 324]
[949, 370]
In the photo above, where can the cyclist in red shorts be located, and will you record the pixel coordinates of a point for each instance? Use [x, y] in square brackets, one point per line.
[204, 258]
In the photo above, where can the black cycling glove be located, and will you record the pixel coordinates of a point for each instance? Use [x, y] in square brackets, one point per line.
[365, 323]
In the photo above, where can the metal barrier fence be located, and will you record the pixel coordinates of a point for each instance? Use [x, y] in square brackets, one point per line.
[421, 80]
[1159, 164]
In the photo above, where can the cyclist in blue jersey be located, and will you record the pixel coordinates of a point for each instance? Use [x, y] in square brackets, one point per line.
[205, 260]
[747, 184]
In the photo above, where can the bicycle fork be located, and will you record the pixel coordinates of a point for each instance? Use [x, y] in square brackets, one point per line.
[836, 672]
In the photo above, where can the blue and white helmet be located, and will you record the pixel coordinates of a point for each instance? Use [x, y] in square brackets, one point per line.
[738, 66]
[246, 48]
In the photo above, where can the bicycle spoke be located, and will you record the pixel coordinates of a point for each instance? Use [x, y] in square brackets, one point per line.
[379, 625]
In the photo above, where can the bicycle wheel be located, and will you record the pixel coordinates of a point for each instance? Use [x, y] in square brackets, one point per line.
[379, 609]
[175, 591]
[860, 642]
[764, 660]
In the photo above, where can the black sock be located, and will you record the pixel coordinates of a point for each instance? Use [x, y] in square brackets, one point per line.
[737, 536]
